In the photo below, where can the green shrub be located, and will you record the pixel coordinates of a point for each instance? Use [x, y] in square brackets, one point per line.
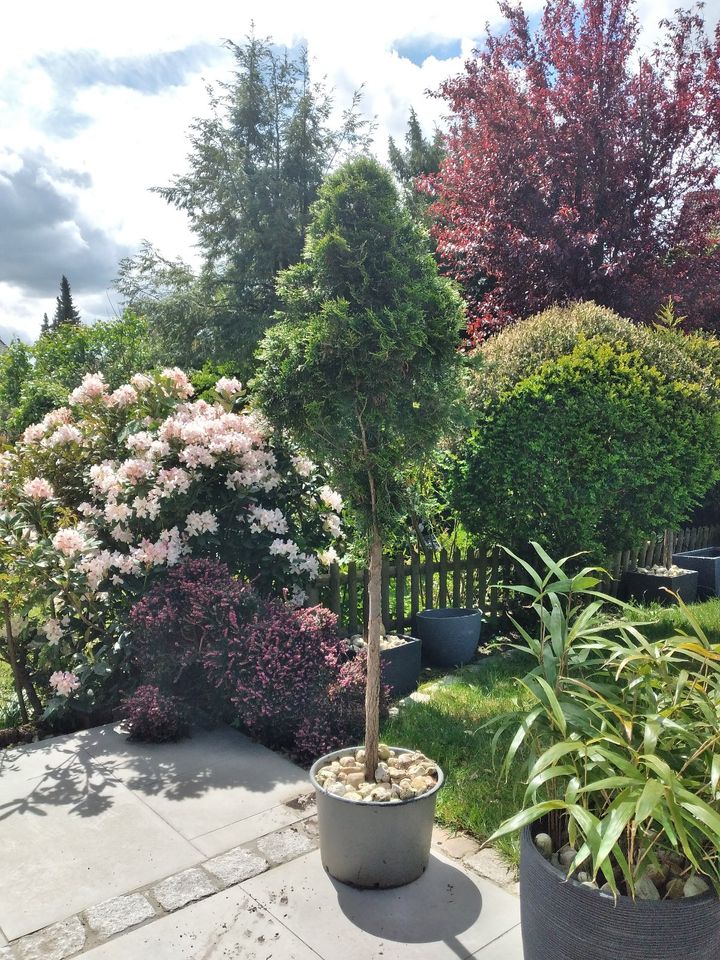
[589, 433]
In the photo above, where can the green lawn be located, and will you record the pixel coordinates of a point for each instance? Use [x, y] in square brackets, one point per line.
[475, 797]
[447, 729]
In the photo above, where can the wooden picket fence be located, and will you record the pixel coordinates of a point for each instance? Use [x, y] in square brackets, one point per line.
[468, 578]
[419, 582]
[650, 552]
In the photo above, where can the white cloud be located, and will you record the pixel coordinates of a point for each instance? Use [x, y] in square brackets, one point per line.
[132, 83]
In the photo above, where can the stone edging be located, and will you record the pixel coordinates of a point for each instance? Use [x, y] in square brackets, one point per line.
[104, 921]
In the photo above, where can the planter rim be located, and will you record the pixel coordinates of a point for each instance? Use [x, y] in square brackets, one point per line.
[345, 751]
[648, 905]
[437, 613]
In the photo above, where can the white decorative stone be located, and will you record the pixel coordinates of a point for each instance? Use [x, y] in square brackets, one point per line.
[120, 913]
[55, 942]
[183, 888]
[235, 866]
[285, 845]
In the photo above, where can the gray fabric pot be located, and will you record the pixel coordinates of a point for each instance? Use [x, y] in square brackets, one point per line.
[563, 920]
[374, 844]
[450, 635]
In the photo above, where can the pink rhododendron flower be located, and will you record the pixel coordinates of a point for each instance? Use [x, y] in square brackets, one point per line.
[38, 489]
[66, 433]
[134, 471]
[53, 630]
[228, 387]
[180, 382]
[271, 520]
[69, 541]
[141, 382]
[331, 498]
[92, 387]
[64, 682]
[304, 465]
[124, 396]
[197, 523]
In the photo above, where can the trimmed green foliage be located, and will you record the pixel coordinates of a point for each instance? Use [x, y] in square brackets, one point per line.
[362, 367]
[589, 433]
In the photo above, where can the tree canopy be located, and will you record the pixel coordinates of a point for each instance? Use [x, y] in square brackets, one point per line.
[255, 167]
[65, 310]
[579, 167]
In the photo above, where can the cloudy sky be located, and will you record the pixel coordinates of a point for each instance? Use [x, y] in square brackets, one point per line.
[96, 99]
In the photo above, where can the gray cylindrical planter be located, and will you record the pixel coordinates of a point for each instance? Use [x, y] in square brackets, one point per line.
[450, 635]
[400, 666]
[564, 920]
[374, 844]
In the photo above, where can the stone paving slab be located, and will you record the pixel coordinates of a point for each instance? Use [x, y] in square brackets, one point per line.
[228, 925]
[507, 947]
[73, 838]
[212, 780]
[251, 828]
[447, 914]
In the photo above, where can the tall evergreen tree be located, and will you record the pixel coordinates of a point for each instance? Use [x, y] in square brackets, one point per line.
[420, 156]
[45, 325]
[65, 311]
[255, 167]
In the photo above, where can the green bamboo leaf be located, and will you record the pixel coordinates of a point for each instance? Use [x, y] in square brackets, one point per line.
[715, 774]
[554, 705]
[551, 773]
[524, 817]
[648, 801]
[555, 753]
[536, 578]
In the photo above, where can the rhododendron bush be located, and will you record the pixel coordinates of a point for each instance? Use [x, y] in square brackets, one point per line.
[108, 492]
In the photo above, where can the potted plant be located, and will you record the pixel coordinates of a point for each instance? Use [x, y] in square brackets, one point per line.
[450, 635]
[621, 819]
[706, 561]
[363, 370]
[400, 661]
[663, 581]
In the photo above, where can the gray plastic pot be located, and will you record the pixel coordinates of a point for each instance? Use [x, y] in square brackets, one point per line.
[374, 844]
[564, 920]
[450, 635]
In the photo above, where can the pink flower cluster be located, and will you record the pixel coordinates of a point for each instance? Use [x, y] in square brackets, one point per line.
[69, 541]
[64, 682]
[38, 489]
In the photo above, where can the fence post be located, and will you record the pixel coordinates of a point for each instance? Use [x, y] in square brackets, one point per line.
[414, 586]
[335, 605]
[470, 579]
[457, 578]
[442, 586]
[482, 577]
[493, 590]
[399, 592]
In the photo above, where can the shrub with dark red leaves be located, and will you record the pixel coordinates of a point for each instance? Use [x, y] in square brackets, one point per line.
[191, 617]
[281, 673]
[153, 717]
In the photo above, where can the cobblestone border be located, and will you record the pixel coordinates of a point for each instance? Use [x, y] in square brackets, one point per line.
[104, 921]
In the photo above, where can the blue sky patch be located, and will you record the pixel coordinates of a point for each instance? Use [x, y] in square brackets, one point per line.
[418, 49]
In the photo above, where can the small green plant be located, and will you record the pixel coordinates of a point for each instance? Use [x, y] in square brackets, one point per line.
[619, 737]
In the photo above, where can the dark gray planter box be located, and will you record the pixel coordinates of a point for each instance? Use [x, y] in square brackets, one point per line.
[450, 635]
[707, 563]
[564, 920]
[373, 844]
[647, 587]
[400, 666]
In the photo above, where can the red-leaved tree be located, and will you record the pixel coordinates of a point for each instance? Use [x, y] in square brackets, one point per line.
[580, 166]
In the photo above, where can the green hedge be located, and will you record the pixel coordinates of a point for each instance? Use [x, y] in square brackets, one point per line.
[589, 433]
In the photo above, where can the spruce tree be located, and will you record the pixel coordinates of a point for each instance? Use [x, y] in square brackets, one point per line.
[420, 156]
[45, 325]
[65, 311]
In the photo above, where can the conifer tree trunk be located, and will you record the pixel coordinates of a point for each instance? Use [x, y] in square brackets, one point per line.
[375, 632]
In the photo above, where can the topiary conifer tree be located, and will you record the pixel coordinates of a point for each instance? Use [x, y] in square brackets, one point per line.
[362, 367]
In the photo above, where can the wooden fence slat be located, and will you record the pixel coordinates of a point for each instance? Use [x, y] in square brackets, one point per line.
[457, 578]
[429, 578]
[399, 592]
[493, 590]
[482, 577]
[442, 579]
[352, 598]
[335, 588]
[414, 586]
[470, 578]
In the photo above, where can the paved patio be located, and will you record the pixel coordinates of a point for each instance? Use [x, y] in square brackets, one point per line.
[208, 849]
